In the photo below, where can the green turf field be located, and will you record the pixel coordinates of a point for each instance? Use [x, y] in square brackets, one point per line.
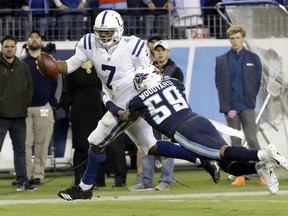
[198, 197]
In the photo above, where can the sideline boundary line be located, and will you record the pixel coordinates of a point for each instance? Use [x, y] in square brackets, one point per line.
[144, 197]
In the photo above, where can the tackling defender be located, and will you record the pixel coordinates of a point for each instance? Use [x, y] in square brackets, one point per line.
[162, 103]
[115, 59]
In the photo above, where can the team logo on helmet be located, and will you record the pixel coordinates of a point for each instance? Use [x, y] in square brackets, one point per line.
[147, 76]
[140, 77]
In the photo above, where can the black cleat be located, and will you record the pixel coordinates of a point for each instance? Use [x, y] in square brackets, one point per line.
[25, 186]
[212, 167]
[75, 192]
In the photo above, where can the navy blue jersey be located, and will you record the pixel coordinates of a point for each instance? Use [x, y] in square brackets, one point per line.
[164, 106]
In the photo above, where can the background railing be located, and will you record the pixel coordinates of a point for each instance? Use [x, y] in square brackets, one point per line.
[73, 24]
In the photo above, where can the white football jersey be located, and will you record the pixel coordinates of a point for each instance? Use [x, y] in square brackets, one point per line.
[115, 67]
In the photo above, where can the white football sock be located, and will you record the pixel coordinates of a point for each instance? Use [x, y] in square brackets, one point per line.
[85, 186]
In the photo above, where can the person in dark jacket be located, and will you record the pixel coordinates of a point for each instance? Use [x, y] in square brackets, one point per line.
[86, 109]
[167, 67]
[238, 79]
[84, 96]
[40, 119]
[16, 90]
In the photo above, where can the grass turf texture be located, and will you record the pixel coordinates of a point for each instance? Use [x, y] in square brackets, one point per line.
[200, 197]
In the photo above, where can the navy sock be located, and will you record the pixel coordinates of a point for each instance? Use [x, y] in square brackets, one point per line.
[172, 150]
[95, 161]
[236, 153]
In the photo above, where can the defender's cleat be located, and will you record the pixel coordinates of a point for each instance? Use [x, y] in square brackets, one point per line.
[213, 168]
[273, 156]
[239, 181]
[265, 169]
[75, 192]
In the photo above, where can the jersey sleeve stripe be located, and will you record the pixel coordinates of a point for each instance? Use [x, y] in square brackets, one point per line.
[85, 39]
[141, 47]
[135, 48]
[87, 42]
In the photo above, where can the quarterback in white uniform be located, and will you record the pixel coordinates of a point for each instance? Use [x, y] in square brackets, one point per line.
[115, 58]
[115, 62]
[116, 67]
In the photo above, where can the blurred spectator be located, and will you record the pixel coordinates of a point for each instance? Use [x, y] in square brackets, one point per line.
[115, 165]
[39, 9]
[86, 109]
[70, 19]
[156, 18]
[40, 20]
[150, 44]
[186, 16]
[217, 26]
[84, 96]
[145, 181]
[113, 4]
[92, 3]
[285, 3]
[133, 23]
[167, 68]
[16, 88]
[116, 154]
[7, 14]
[61, 117]
[40, 119]
[238, 75]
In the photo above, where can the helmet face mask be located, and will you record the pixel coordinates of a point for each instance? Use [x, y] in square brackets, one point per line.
[146, 76]
[105, 38]
[108, 28]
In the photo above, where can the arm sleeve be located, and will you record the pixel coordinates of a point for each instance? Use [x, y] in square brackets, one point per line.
[78, 58]
[73, 64]
[113, 108]
[110, 106]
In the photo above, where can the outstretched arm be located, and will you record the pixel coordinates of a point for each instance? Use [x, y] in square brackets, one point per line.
[69, 65]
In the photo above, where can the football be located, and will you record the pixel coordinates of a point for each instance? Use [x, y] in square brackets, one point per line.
[47, 66]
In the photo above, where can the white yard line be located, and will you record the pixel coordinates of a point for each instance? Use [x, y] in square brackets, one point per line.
[167, 197]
